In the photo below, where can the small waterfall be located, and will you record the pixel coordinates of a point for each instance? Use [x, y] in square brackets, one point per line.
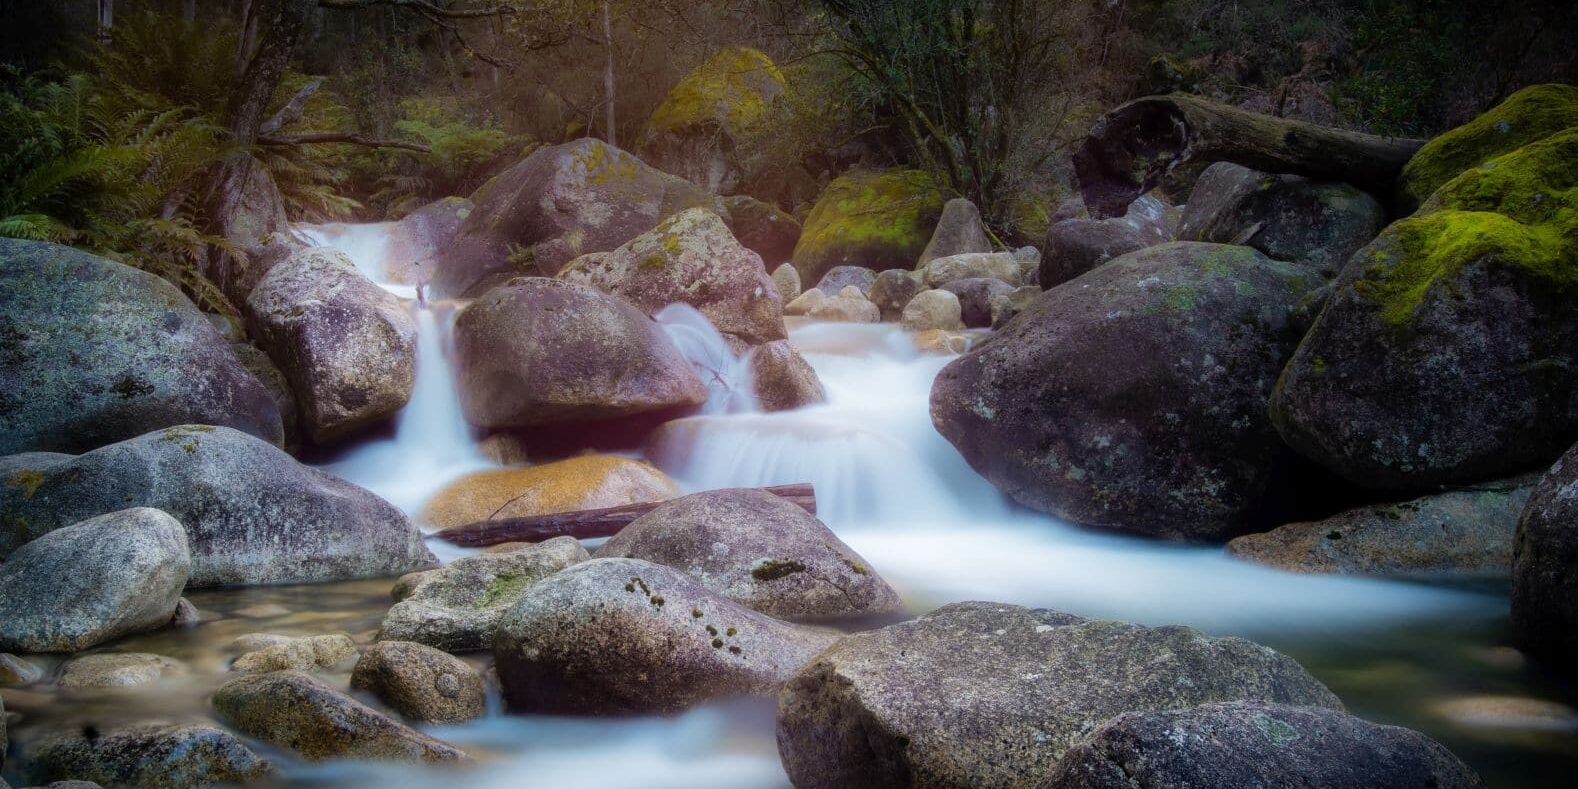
[727, 376]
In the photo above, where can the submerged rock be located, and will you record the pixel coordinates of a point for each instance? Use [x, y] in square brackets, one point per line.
[95, 352]
[145, 755]
[985, 694]
[253, 515]
[308, 653]
[1544, 586]
[615, 636]
[586, 482]
[118, 670]
[758, 550]
[93, 581]
[959, 231]
[421, 682]
[1248, 745]
[16, 673]
[879, 220]
[781, 379]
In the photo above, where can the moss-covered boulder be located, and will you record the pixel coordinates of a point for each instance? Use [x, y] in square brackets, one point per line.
[585, 482]
[764, 229]
[1449, 349]
[1529, 115]
[879, 220]
[700, 125]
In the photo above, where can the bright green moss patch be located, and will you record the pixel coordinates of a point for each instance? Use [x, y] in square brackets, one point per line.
[504, 589]
[1527, 116]
[730, 90]
[1536, 184]
[874, 219]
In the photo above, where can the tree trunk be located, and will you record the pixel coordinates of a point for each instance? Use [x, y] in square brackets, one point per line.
[608, 72]
[278, 24]
[189, 11]
[1130, 149]
[106, 18]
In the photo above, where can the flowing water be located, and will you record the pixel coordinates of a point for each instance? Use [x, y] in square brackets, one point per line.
[1425, 656]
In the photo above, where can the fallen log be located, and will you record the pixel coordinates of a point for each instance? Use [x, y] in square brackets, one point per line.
[1130, 149]
[585, 524]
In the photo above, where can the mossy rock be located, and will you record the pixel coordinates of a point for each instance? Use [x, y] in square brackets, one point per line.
[729, 91]
[879, 220]
[1527, 116]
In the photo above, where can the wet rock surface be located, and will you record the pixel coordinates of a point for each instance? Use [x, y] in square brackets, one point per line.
[421, 682]
[146, 755]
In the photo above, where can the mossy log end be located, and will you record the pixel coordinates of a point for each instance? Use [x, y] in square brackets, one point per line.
[1130, 149]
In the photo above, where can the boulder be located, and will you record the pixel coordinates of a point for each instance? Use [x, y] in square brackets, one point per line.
[690, 258]
[253, 515]
[786, 278]
[420, 237]
[1251, 744]
[849, 306]
[93, 352]
[1466, 307]
[542, 351]
[892, 291]
[150, 755]
[758, 550]
[987, 694]
[257, 362]
[805, 302]
[555, 205]
[1175, 441]
[975, 298]
[959, 230]
[1075, 246]
[1544, 553]
[879, 220]
[247, 211]
[92, 582]
[585, 482]
[781, 379]
[117, 670]
[308, 653]
[1288, 217]
[1007, 306]
[839, 277]
[709, 115]
[1027, 254]
[933, 309]
[457, 607]
[764, 229]
[16, 673]
[992, 265]
[296, 711]
[1532, 114]
[1460, 534]
[613, 636]
[421, 682]
[347, 346]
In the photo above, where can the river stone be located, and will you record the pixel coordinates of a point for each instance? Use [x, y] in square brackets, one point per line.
[613, 636]
[787, 280]
[1288, 217]
[1462, 534]
[421, 682]
[542, 351]
[457, 607]
[93, 352]
[986, 694]
[879, 220]
[92, 582]
[257, 362]
[839, 277]
[118, 670]
[1075, 246]
[308, 653]
[417, 240]
[933, 310]
[151, 755]
[1174, 442]
[764, 229]
[585, 482]
[347, 346]
[781, 379]
[555, 205]
[1544, 553]
[892, 291]
[1007, 306]
[16, 673]
[690, 258]
[849, 306]
[1250, 745]
[253, 515]
[294, 710]
[959, 230]
[975, 298]
[758, 550]
[992, 265]
[805, 302]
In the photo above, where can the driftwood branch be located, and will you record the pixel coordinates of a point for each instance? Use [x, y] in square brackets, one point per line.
[585, 524]
[343, 137]
[421, 6]
[1130, 149]
[291, 112]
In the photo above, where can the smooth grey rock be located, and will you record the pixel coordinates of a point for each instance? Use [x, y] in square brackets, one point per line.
[786, 278]
[839, 277]
[420, 237]
[959, 230]
[421, 682]
[892, 290]
[151, 755]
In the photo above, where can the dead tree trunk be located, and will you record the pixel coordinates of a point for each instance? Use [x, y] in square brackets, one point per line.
[608, 72]
[106, 18]
[1130, 149]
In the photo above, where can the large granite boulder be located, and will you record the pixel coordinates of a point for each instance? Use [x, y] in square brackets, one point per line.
[987, 694]
[763, 228]
[420, 237]
[1250, 745]
[253, 515]
[555, 205]
[421, 682]
[1288, 217]
[93, 352]
[347, 346]
[151, 755]
[248, 212]
[625, 636]
[1173, 442]
[1075, 246]
[584, 482]
[92, 582]
[959, 231]
[702, 124]
[690, 258]
[1448, 351]
[1544, 585]
[758, 550]
[879, 220]
[781, 379]
[543, 351]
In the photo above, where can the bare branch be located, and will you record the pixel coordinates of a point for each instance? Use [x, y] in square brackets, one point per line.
[347, 138]
[291, 112]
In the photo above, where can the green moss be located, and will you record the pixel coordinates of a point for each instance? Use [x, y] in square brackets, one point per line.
[773, 569]
[1527, 116]
[504, 589]
[730, 90]
[28, 480]
[1536, 184]
[874, 219]
[1180, 299]
[1032, 216]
